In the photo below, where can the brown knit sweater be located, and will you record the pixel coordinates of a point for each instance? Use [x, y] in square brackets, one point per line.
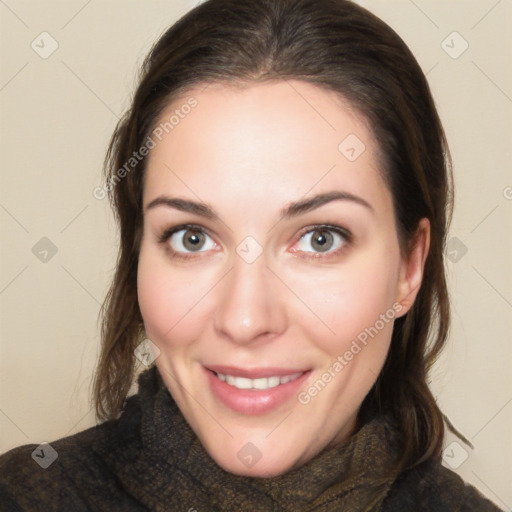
[150, 459]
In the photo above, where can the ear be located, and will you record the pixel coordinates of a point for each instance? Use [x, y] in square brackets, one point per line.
[412, 267]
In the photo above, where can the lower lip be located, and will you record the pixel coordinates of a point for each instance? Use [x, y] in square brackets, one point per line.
[252, 401]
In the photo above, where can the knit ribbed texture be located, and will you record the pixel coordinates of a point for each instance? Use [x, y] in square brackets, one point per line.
[170, 445]
[150, 459]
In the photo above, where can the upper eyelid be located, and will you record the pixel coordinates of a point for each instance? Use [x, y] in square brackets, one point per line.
[305, 229]
[168, 232]
[325, 227]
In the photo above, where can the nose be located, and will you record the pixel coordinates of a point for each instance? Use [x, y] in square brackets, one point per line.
[250, 309]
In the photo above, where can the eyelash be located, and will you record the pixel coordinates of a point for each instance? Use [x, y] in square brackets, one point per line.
[345, 234]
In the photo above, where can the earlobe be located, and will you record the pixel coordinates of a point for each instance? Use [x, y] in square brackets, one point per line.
[412, 267]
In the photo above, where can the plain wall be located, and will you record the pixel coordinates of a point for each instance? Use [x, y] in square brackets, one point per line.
[57, 114]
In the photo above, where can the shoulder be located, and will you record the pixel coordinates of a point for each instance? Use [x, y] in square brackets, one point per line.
[72, 473]
[431, 486]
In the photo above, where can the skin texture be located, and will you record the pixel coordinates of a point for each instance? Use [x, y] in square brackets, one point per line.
[248, 153]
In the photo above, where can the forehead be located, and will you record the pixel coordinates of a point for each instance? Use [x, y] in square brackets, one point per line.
[273, 140]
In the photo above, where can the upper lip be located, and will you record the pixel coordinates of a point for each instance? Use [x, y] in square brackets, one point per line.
[253, 373]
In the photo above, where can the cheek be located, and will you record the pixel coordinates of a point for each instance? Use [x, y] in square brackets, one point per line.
[169, 300]
[350, 300]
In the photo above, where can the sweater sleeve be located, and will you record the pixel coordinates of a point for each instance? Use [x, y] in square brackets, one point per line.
[432, 487]
[25, 485]
[476, 502]
[7, 503]
[75, 477]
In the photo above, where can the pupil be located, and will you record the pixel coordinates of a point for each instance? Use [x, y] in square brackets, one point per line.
[193, 240]
[322, 240]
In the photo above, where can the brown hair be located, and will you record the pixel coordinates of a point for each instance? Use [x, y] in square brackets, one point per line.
[341, 47]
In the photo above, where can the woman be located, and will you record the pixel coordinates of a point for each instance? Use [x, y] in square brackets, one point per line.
[282, 184]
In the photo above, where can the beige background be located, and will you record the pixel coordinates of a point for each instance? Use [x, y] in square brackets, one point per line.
[57, 116]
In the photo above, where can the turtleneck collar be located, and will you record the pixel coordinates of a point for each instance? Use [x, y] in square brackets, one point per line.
[167, 465]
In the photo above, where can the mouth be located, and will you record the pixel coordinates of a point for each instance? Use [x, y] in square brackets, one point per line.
[261, 384]
[254, 391]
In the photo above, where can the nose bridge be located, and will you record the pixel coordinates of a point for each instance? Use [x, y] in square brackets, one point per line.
[249, 307]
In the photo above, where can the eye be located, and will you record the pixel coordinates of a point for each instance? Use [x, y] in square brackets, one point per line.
[187, 239]
[323, 239]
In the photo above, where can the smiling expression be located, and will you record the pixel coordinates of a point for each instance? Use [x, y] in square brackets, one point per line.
[267, 250]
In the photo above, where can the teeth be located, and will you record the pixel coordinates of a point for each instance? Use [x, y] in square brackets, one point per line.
[260, 384]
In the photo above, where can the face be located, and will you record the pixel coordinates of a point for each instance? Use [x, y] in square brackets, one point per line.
[270, 272]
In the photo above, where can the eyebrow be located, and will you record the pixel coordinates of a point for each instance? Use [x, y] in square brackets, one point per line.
[291, 210]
